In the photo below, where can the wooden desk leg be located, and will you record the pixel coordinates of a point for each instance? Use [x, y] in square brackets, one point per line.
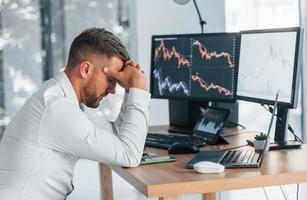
[106, 189]
[170, 198]
[209, 196]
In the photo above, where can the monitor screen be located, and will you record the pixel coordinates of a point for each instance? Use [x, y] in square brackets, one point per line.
[268, 65]
[194, 67]
[212, 120]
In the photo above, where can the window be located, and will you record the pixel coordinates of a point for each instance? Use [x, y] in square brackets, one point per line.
[20, 49]
[261, 14]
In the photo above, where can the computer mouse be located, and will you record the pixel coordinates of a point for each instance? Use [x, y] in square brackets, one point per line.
[183, 148]
[208, 167]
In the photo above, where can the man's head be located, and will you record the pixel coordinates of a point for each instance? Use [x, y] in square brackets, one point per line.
[90, 52]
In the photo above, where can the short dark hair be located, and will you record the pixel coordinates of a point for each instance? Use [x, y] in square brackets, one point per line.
[98, 41]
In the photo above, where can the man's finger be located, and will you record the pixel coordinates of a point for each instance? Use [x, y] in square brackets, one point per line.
[112, 73]
[127, 62]
[130, 62]
[133, 64]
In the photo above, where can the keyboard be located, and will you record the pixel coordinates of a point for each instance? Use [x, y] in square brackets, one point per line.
[238, 157]
[164, 141]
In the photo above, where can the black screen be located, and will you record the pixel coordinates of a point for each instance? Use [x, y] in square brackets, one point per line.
[199, 66]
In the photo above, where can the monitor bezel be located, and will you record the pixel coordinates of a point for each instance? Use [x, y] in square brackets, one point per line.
[189, 98]
[295, 80]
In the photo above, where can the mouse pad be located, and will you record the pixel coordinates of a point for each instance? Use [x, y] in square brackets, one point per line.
[212, 156]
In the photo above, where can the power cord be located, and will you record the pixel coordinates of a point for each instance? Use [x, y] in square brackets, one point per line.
[284, 192]
[270, 109]
[297, 191]
[230, 124]
[265, 193]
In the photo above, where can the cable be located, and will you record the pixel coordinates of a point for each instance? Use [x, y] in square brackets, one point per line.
[297, 190]
[285, 189]
[229, 124]
[284, 193]
[270, 109]
[293, 133]
[266, 195]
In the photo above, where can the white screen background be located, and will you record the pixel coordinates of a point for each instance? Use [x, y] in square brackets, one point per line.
[266, 65]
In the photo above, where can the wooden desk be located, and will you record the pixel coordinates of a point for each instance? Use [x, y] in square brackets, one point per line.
[171, 180]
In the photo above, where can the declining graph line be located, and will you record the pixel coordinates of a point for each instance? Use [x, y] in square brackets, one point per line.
[206, 86]
[208, 55]
[169, 54]
[167, 83]
[276, 54]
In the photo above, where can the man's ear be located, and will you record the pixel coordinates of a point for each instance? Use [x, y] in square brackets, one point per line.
[86, 69]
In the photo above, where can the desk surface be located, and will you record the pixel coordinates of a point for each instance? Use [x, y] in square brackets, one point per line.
[169, 179]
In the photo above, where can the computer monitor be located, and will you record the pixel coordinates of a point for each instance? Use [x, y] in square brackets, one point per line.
[268, 65]
[193, 69]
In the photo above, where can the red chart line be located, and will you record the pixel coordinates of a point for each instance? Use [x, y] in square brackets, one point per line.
[206, 86]
[169, 54]
[206, 54]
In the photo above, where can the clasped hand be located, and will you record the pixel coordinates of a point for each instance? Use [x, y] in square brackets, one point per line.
[130, 76]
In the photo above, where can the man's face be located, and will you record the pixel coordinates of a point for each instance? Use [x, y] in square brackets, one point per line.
[98, 84]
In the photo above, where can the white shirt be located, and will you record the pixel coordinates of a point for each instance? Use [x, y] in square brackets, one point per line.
[42, 144]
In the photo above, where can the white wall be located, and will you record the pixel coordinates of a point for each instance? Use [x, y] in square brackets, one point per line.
[153, 17]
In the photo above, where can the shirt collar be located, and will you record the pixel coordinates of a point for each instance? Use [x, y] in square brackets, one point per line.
[67, 87]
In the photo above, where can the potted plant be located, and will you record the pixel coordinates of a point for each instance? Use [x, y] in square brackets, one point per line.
[260, 140]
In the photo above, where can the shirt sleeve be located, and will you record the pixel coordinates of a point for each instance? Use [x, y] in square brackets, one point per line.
[120, 118]
[64, 127]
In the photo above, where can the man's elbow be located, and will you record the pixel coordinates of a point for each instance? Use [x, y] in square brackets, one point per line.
[135, 162]
[132, 160]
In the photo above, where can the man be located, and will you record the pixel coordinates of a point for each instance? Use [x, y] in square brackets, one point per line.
[42, 144]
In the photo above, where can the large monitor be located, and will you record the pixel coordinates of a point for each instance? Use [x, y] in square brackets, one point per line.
[192, 69]
[268, 65]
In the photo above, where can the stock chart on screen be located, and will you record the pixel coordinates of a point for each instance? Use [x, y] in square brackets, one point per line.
[200, 66]
[267, 67]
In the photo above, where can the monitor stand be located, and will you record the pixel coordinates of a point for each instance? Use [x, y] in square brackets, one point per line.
[181, 130]
[281, 127]
[290, 144]
[233, 118]
[183, 115]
